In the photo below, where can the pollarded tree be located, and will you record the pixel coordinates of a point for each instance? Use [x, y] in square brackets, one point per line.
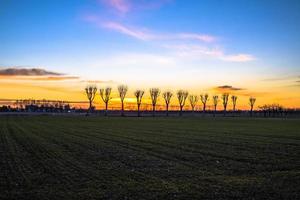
[251, 102]
[215, 101]
[182, 95]
[167, 96]
[105, 96]
[154, 93]
[193, 101]
[91, 94]
[204, 99]
[225, 97]
[139, 95]
[234, 99]
[122, 93]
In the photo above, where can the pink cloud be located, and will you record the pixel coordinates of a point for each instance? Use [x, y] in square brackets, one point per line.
[125, 6]
[143, 34]
[203, 38]
[238, 58]
[133, 32]
[122, 6]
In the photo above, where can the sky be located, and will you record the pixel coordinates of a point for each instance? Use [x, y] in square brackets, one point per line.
[246, 48]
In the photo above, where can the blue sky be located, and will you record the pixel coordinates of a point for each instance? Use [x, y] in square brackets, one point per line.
[156, 42]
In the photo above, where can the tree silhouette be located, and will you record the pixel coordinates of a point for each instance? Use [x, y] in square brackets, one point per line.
[167, 96]
[204, 99]
[91, 94]
[193, 101]
[251, 102]
[215, 101]
[139, 95]
[105, 96]
[154, 93]
[182, 95]
[122, 93]
[234, 99]
[225, 97]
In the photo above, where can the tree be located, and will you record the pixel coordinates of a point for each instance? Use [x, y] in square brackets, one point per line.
[105, 96]
[193, 101]
[225, 97]
[167, 96]
[139, 95]
[251, 102]
[182, 95]
[91, 94]
[204, 99]
[234, 99]
[122, 93]
[154, 93]
[215, 100]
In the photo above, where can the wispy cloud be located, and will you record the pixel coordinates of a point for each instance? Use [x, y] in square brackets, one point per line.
[126, 6]
[16, 71]
[238, 58]
[146, 34]
[199, 51]
[122, 6]
[229, 88]
[130, 31]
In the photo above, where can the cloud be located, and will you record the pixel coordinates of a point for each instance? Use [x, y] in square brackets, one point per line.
[55, 78]
[126, 6]
[229, 88]
[282, 78]
[194, 36]
[146, 34]
[238, 58]
[122, 6]
[14, 71]
[193, 51]
[98, 81]
[130, 31]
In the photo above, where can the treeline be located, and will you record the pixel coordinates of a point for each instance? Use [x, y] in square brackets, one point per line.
[183, 97]
[32, 105]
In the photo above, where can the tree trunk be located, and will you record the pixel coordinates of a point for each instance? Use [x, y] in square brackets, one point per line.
[106, 106]
[167, 109]
[122, 112]
[90, 108]
[139, 110]
[215, 111]
[153, 110]
[180, 113]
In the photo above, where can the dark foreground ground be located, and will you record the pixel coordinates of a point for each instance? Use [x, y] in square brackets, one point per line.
[44, 157]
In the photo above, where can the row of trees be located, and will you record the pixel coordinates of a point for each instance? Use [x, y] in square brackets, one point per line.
[182, 96]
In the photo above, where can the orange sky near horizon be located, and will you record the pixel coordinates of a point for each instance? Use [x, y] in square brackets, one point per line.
[71, 88]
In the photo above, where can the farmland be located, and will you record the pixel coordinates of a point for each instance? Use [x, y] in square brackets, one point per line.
[77, 157]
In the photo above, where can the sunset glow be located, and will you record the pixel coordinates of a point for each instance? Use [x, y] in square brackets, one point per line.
[248, 48]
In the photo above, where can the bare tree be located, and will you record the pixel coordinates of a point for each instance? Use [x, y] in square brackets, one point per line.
[154, 93]
[215, 100]
[204, 99]
[234, 99]
[251, 102]
[105, 96]
[91, 94]
[193, 101]
[225, 97]
[167, 96]
[122, 93]
[182, 95]
[139, 95]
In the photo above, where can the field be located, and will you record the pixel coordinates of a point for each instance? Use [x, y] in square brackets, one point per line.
[61, 157]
